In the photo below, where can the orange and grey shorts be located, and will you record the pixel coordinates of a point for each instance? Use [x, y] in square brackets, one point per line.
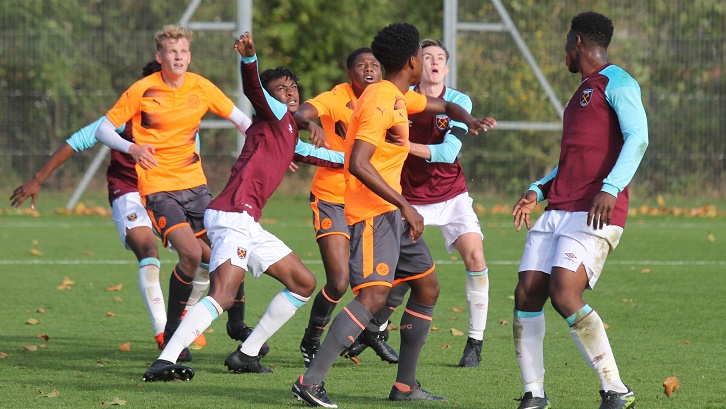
[381, 253]
[328, 218]
[171, 210]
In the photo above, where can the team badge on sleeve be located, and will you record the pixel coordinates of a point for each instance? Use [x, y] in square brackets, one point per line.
[442, 121]
[241, 253]
[585, 97]
[131, 217]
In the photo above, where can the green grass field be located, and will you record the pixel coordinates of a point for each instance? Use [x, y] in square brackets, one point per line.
[660, 295]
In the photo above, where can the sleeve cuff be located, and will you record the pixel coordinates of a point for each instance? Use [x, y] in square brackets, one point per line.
[535, 188]
[607, 188]
[248, 60]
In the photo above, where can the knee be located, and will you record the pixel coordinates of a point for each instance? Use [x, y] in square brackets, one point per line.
[529, 299]
[474, 261]
[336, 287]
[304, 284]
[426, 294]
[223, 296]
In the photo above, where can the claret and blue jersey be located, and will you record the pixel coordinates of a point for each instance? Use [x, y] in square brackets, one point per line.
[604, 137]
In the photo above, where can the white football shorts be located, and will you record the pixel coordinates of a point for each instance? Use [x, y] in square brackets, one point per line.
[454, 217]
[128, 212]
[237, 237]
[563, 239]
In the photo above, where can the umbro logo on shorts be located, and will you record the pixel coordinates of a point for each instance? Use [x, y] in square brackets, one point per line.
[570, 257]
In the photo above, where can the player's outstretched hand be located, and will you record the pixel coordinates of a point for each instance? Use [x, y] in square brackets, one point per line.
[416, 221]
[601, 210]
[143, 155]
[523, 208]
[484, 124]
[30, 189]
[245, 46]
[317, 135]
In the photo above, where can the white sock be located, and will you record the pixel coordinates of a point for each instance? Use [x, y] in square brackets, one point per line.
[151, 293]
[529, 332]
[195, 322]
[477, 297]
[200, 284]
[282, 307]
[592, 341]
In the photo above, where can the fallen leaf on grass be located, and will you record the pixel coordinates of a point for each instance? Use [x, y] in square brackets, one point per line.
[627, 300]
[125, 347]
[711, 237]
[393, 328]
[35, 242]
[40, 310]
[354, 359]
[30, 348]
[455, 332]
[209, 331]
[67, 281]
[32, 321]
[3, 355]
[116, 287]
[35, 252]
[606, 325]
[87, 253]
[670, 385]
[445, 346]
[194, 347]
[503, 322]
[434, 328]
[45, 337]
[115, 402]
[64, 287]
[117, 299]
[53, 394]
[457, 309]
[685, 342]
[110, 314]
[42, 346]
[645, 270]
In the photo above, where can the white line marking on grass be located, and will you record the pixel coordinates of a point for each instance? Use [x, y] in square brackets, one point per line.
[317, 261]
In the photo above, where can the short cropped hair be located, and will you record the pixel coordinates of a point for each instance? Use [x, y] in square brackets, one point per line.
[174, 32]
[350, 62]
[429, 42]
[274, 73]
[593, 27]
[395, 44]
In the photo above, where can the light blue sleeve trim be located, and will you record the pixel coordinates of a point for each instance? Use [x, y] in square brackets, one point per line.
[85, 137]
[277, 107]
[525, 314]
[447, 151]
[623, 94]
[212, 309]
[308, 149]
[150, 260]
[535, 186]
[461, 99]
[204, 265]
[294, 300]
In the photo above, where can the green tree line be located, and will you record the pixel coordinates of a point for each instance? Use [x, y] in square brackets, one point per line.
[64, 63]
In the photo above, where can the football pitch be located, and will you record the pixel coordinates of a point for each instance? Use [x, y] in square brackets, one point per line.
[71, 300]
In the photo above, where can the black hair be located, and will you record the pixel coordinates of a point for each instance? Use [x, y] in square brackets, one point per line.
[395, 44]
[274, 73]
[593, 27]
[350, 62]
[150, 68]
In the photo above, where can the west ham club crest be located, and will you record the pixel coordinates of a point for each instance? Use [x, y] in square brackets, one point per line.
[585, 97]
